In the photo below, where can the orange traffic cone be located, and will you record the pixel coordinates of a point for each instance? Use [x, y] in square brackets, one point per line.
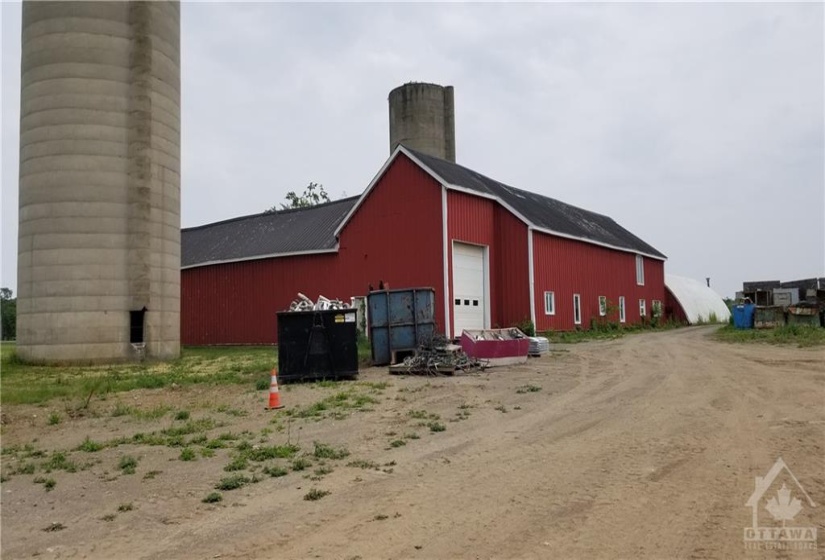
[274, 395]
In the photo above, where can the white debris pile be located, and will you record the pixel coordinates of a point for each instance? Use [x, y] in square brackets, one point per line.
[303, 303]
[538, 346]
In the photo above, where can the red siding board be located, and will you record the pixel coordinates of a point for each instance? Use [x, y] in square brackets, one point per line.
[511, 270]
[568, 267]
[394, 236]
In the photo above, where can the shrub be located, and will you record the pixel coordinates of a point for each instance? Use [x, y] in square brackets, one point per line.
[315, 494]
[213, 498]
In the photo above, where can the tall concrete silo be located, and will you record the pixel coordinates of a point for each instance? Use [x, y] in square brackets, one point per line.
[99, 238]
[422, 117]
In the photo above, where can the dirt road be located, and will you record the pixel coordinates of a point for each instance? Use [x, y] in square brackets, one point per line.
[641, 447]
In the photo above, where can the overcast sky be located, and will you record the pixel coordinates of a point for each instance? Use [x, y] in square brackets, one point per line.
[699, 127]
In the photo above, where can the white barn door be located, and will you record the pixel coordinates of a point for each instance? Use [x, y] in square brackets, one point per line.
[469, 302]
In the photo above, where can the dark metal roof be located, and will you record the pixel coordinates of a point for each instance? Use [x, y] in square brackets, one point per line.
[259, 235]
[761, 285]
[541, 211]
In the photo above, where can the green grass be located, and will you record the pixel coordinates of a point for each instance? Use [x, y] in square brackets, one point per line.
[334, 405]
[315, 494]
[90, 446]
[212, 498]
[301, 464]
[324, 451]
[275, 471]
[187, 454]
[127, 464]
[32, 383]
[528, 389]
[436, 427]
[799, 335]
[59, 462]
[605, 331]
[237, 464]
[362, 464]
[233, 482]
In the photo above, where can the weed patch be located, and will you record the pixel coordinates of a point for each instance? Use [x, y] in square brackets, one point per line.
[127, 464]
[213, 498]
[324, 451]
[187, 454]
[315, 494]
[233, 482]
[301, 464]
[799, 335]
[90, 446]
[59, 462]
[275, 471]
[237, 464]
[362, 464]
[528, 389]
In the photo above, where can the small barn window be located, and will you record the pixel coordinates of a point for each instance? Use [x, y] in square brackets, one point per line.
[577, 309]
[602, 305]
[621, 309]
[549, 303]
[136, 320]
[640, 270]
[642, 308]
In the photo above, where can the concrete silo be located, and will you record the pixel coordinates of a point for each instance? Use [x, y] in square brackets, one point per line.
[99, 237]
[422, 117]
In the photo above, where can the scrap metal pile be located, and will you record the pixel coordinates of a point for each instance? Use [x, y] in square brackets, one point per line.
[438, 356]
[303, 303]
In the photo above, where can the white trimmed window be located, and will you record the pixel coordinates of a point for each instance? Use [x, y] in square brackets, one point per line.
[640, 270]
[577, 309]
[602, 305]
[642, 308]
[549, 303]
[621, 309]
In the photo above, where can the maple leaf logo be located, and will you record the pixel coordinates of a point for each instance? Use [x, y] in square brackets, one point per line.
[784, 508]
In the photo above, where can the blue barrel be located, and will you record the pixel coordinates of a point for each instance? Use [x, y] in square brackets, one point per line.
[399, 320]
[743, 315]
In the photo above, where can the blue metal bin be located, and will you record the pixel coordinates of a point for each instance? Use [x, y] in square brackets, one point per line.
[399, 320]
[743, 315]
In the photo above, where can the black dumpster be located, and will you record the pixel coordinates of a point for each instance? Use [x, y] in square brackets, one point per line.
[317, 344]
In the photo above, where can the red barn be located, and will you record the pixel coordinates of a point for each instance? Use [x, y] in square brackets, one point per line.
[496, 256]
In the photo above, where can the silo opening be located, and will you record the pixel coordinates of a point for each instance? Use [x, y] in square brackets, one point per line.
[136, 320]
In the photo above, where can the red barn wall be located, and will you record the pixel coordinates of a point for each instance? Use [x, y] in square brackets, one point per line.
[511, 271]
[394, 236]
[471, 219]
[673, 309]
[236, 303]
[568, 267]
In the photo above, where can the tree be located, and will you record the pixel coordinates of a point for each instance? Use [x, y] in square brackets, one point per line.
[313, 195]
[8, 310]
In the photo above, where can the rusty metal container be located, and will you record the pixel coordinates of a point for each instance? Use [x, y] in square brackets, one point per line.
[399, 321]
[803, 315]
[769, 317]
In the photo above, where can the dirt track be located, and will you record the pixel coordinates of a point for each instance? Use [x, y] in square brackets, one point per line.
[646, 446]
